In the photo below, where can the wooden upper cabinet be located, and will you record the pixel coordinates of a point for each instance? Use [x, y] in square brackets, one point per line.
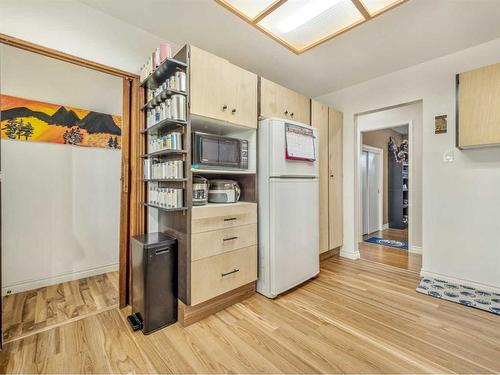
[319, 120]
[242, 96]
[479, 107]
[278, 101]
[221, 90]
[335, 119]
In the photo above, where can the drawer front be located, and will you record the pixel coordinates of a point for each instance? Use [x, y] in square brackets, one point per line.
[206, 244]
[206, 219]
[219, 274]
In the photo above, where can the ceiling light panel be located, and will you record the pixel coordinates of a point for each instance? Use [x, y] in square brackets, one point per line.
[250, 8]
[301, 23]
[376, 6]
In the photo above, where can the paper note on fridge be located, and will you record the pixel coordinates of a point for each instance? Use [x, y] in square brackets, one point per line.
[299, 143]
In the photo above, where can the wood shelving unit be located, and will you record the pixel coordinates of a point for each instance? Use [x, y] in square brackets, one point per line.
[398, 193]
[163, 152]
[164, 125]
[166, 209]
[161, 97]
[173, 221]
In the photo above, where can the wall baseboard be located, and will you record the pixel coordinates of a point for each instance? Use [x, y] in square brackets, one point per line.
[454, 280]
[350, 254]
[385, 226]
[328, 254]
[416, 250]
[34, 284]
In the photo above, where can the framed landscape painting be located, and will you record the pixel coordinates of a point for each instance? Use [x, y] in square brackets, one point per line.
[33, 121]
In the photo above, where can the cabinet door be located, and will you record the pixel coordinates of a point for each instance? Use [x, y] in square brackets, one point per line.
[319, 120]
[335, 185]
[478, 107]
[208, 85]
[278, 101]
[242, 95]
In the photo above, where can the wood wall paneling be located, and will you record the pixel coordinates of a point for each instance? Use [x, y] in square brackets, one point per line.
[335, 120]
[124, 195]
[319, 120]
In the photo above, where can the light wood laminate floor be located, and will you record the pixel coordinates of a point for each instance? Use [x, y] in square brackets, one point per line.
[37, 310]
[355, 317]
[390, 255]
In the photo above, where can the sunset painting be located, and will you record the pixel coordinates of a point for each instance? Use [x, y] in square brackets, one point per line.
[29, 120]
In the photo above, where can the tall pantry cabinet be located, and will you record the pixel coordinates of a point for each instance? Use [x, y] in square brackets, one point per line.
[329, 123]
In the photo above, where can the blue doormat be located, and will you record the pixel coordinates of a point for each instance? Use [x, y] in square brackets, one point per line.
[464, 295]
[381, 241]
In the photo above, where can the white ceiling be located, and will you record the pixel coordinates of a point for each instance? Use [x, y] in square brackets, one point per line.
[414, 32]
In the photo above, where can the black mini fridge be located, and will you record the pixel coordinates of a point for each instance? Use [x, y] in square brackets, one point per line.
[154, 282]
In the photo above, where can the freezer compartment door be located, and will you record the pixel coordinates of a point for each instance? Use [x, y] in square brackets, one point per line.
[294, 232]
[278, 164]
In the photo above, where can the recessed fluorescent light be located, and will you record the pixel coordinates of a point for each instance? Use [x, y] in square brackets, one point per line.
[305, 13]
[250, 8]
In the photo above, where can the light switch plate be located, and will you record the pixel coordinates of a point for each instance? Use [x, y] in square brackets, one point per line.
[448, 156]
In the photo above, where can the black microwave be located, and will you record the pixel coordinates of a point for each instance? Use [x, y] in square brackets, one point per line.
[218, 152]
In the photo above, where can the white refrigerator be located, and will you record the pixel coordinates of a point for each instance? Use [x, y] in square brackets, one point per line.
[288, 210]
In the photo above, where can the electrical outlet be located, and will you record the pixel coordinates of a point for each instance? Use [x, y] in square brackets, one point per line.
[448, 157]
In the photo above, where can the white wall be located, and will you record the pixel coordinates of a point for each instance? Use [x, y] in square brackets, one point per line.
[461, 200]
[401, 115]
[60, 203]
[74, 28]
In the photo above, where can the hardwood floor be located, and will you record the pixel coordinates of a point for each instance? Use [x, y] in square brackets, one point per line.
[355, 317]
[390, 234]
[40, 309]
[390, 255]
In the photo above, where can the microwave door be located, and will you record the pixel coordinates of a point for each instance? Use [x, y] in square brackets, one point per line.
[209, 151]
[229, 153]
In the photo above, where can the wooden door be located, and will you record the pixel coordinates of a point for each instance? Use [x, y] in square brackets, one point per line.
[319, 120]
[241, 91]
[209, 94]
[478, 108]
[279, 101]
[335, 185]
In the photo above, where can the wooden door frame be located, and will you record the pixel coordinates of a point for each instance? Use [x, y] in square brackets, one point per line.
[132, 219]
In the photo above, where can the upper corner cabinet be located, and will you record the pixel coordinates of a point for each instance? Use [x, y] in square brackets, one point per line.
[221, 90]
[279, 101]
[478, 107]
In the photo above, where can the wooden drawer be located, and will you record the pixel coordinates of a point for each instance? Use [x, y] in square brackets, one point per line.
[213, 217]
[215, 242]
[216, 275]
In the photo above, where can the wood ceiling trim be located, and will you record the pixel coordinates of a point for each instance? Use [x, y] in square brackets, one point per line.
[358, 4]
[254, 22]
[41, 50]
[271, 8]
[236, 12]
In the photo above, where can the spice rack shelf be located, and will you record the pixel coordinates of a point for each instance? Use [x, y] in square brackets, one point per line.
[166, 209]
[163, 152]
[167, 124]
[165, 94]
[165, 180]
[167, 68]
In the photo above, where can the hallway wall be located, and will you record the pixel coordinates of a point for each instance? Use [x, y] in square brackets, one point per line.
[460, 199]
